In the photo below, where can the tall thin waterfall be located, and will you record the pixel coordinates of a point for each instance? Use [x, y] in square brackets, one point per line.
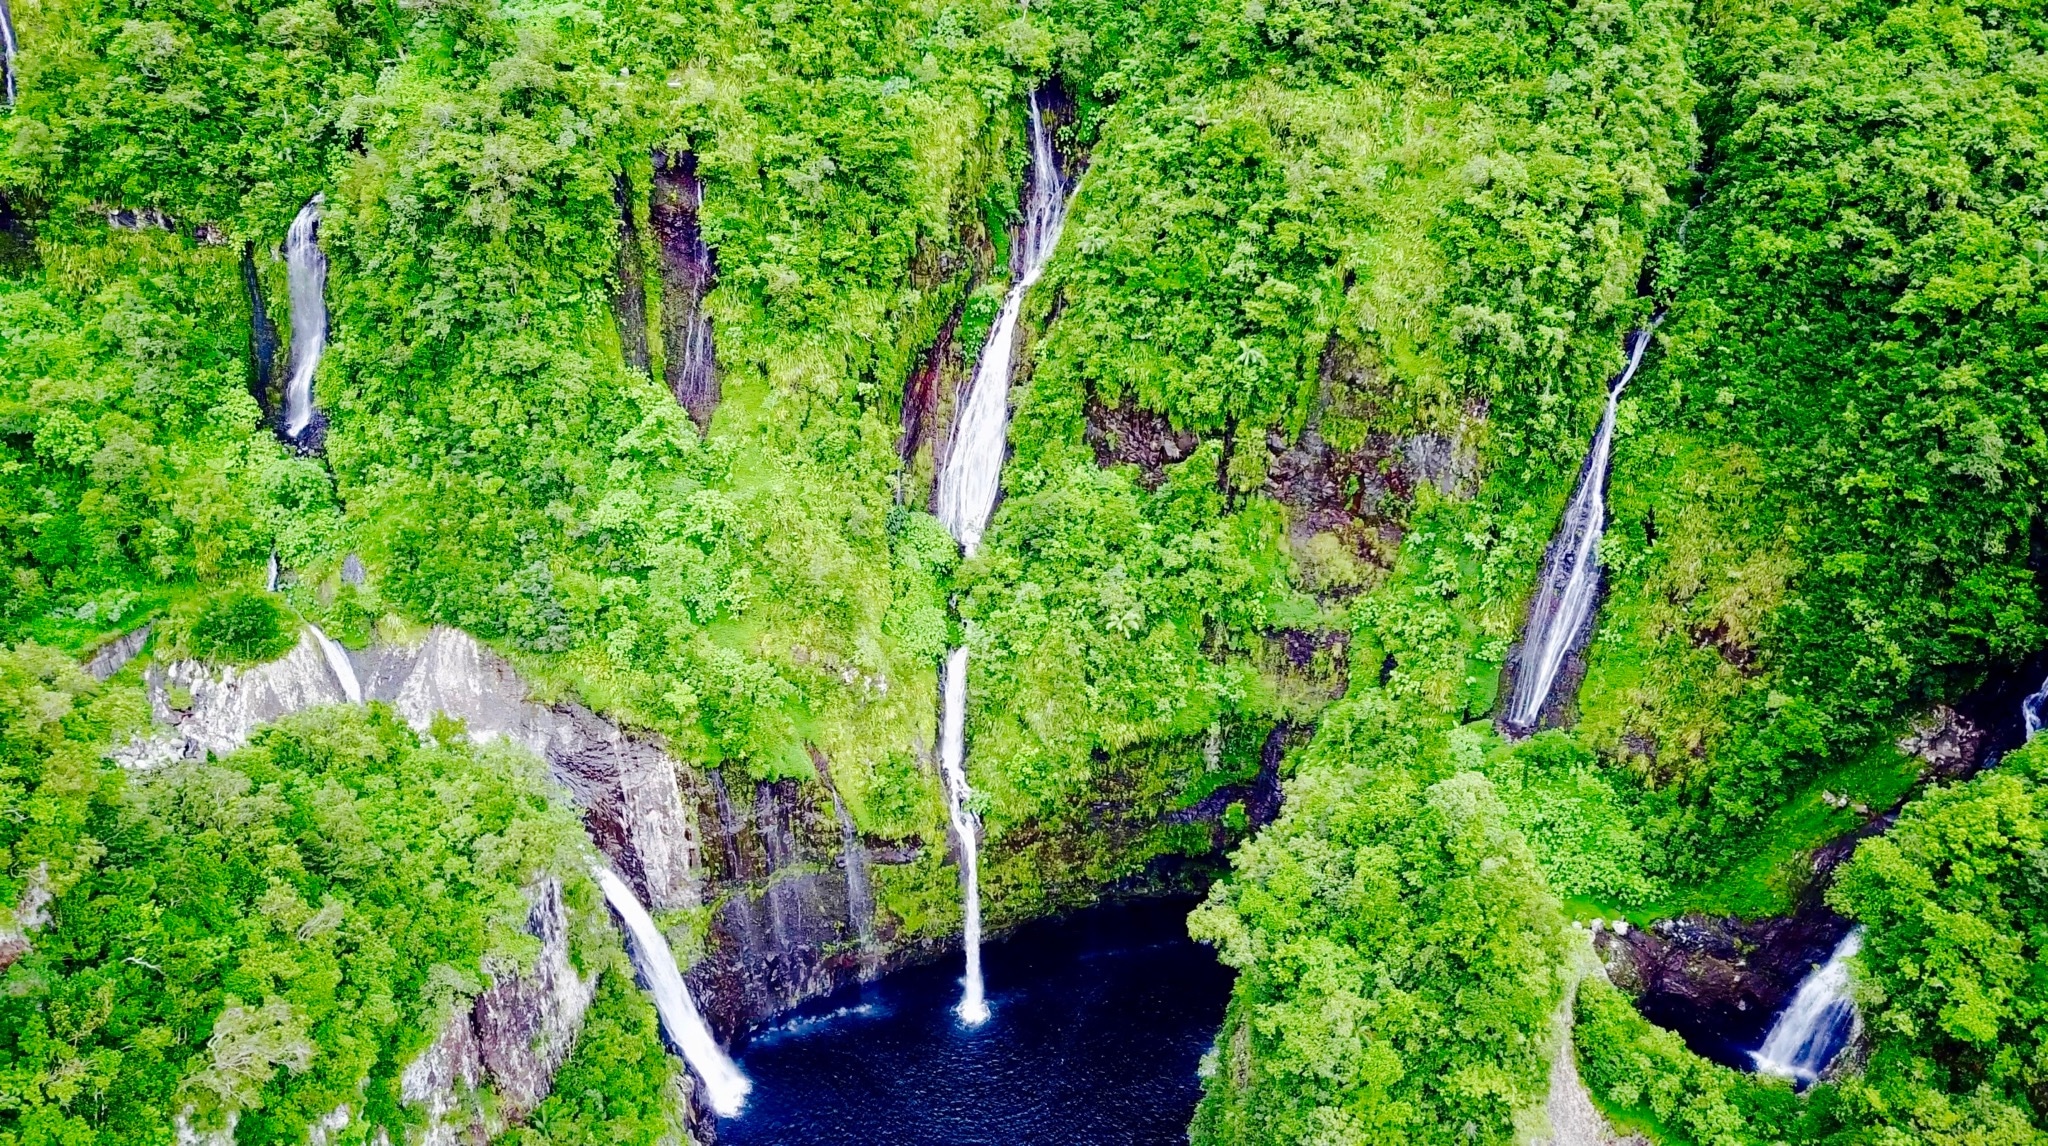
[967, 496]
[1571, 569]
[8, 49]
[337, 661]
[2034, 710]
[1817, 1024]
[724, 1085]
[308, 270]
[974, 466]
[973, 1008]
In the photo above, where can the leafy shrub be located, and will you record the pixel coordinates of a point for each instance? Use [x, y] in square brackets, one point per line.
[234, 626]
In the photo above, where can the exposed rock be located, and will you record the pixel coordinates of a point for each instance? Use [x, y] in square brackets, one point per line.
[860, 899]
[113, 656]
[687, 269]
[921, 389]
[30, 914]
[1261, 797]
[352, 571]
[202, 711]
[527, 1024]
[1947, 743]
[1133, 435]
[330, 1124]
[1719, 983]
[783, 932]
[514, 1037]
[626, 785]
[443, 1083]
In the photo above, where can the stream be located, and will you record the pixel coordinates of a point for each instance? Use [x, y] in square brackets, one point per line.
[1096, 1024]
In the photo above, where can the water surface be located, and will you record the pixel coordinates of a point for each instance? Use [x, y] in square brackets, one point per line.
[1096, 1025]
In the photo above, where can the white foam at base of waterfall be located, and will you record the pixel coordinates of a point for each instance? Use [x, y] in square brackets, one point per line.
[1814, 1026]
[973, 1008]
[724, 1085]
[337, 661]
[1571, 568]
[307, 268]
[965, 498]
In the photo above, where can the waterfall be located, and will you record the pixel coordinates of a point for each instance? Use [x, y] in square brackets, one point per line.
[308, 272]
[2034, 709]
[1817, 1024]
[8, 50]
[973, 1008]
[337, 660]
[724, 1085]
[967, 495]
[270, 574]
[974, 466]
[1571, 569]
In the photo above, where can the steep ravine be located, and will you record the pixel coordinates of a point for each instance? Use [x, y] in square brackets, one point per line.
[786, 875]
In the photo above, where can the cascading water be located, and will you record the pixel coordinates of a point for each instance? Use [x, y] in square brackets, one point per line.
[270, 574]
[337, 660]
[973, 1008]
[2034, 710]
[724, 1085]
[1818, 1022]
[974, 466]
[8, 50]
[308, 272]
[967, 496]
[1571, 568]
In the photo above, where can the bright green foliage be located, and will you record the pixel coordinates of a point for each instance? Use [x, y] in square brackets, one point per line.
[53, 789]
[1846, 460]
[1644, 1072]
[275, 933]
[618, 1088]
[1398, 956]
[1951, 902]
[237, 626]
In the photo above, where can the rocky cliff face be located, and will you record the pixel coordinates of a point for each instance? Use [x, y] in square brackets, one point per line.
[514, 1037]
[787, 926]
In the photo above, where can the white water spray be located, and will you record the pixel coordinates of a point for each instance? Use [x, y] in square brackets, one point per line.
[974, 465]
[8, 50]
[308, 273]
[1571, 568]
[270, 574]
[973, 1008]
[2034, 710]
[1819, 1021]
[724, 1085]
[967, 496]
[337, 661]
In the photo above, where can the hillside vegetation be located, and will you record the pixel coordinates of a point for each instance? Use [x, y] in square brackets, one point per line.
[1302, 394]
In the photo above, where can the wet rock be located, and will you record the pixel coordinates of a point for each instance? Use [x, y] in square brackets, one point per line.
[1947, 743]
[1719, 983]
[352, 571]
[687, 269]
[263, 340]
[921, 388]
[784, 931]
[201, 711]
[1132, 435]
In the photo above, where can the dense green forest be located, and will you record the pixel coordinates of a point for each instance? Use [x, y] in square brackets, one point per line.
[1301, 397]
